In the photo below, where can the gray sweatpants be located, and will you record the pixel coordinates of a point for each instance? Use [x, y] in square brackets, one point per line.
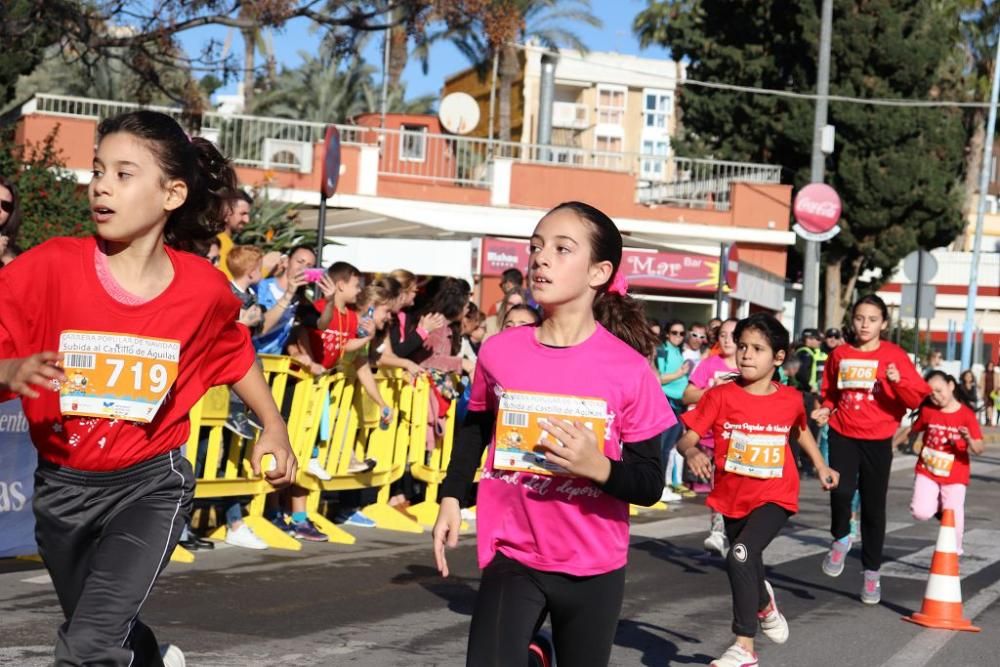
[105, 537]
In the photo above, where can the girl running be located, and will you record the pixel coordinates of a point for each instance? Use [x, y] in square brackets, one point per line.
[951, 431]
[714, 370]
[756, 481]
[574, 396]
[867, 387]
[129, 335]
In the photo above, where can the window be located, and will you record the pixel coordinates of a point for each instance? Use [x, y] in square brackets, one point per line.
[611, 104]
[608, 144]
[413, 143]
[658, 105]
[654, 154]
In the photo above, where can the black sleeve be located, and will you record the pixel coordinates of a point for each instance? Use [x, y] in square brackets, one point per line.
[404, 346]
[804, 374]
[638, 477]
[471, 441]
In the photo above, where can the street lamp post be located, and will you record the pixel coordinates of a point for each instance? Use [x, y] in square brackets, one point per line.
[810, 271]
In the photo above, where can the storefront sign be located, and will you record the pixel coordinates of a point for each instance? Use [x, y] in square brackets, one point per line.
[17, 470]
[643, 268]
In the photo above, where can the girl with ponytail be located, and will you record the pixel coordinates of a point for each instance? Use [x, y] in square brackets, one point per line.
[130, 334]
[572, 413]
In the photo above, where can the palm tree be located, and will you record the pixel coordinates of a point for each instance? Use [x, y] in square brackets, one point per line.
[321, 90]
[507, 23]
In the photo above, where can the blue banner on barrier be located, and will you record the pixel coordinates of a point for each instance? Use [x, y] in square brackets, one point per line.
[17, 470]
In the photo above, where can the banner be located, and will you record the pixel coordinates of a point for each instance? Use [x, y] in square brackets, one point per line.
[17, 470]
[643, 268]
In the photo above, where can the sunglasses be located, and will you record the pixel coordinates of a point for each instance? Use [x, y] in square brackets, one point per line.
[7, 205]
[677, 333]
[694, 335]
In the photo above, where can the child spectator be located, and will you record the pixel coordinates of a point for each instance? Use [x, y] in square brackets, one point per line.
[519, 316]
[279, 297]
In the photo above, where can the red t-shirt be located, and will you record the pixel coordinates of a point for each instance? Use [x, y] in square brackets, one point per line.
[54, 288]
[944, 456]
[761, 468]
[328, 345]
[865, 404]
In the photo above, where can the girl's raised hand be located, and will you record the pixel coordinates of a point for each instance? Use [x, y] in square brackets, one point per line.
[38, 370]
[575, 449]
[892, 373]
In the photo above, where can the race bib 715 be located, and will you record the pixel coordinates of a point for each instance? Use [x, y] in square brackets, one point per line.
[116, 376]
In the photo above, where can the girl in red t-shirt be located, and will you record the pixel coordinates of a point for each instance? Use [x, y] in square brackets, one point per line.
[951, 431]
[142, 330]
[867, 387]
[756, 481]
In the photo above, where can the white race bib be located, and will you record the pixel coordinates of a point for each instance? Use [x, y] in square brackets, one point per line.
[760, 455]
[857, 374]
[116, 376]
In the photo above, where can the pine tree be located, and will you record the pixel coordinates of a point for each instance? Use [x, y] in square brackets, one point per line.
[898, 170]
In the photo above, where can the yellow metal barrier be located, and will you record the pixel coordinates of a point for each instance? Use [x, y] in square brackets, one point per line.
[355, 431]
[430, 468]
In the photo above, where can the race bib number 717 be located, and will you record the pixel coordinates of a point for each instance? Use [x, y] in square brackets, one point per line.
[116, 376]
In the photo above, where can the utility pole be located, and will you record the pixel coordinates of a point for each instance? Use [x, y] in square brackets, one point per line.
[984, 182]
[810, 272]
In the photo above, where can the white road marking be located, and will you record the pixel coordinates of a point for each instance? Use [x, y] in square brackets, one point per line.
[981, 547]
[804, 543]
[40, 579]
[920, 650]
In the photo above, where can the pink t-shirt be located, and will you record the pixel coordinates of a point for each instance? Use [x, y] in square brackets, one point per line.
[557, 523]
[704, 376]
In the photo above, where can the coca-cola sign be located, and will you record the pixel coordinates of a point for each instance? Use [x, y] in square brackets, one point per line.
[817, 210]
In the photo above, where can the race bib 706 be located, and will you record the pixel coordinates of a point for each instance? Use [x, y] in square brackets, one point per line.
[116, 376]
[857, 374]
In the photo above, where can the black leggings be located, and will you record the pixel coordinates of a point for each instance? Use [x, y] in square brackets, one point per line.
[863, 465]
[749, 536]
[511, 606]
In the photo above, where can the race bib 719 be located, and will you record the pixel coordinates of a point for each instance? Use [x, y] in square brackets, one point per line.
[116, 376]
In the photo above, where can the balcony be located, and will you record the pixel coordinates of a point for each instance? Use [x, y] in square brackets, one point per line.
[570, 115]
[293, 150]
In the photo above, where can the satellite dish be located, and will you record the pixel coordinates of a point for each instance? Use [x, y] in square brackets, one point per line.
[459, 113]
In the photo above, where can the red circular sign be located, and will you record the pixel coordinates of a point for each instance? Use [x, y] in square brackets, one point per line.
[817, 208]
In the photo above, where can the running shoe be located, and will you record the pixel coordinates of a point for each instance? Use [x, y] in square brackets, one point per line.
[736, 656]
[238, 423]
[357, 467]
[282, 523]
[541, 650]
[772, 621]
[306, 530]
[245, 537]
[716, 542]
[172, 656]
[316, 469]
[669, 496]
[871, 590]
[833, 563]
[684, 491]
[355, 518]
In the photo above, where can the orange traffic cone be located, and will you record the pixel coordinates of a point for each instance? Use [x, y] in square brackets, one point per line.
[942, 606]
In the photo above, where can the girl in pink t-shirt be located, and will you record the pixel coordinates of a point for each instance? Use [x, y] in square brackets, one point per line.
[572, 414]
[714, 370]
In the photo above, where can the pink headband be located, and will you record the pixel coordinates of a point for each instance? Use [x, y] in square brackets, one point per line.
[619, 285]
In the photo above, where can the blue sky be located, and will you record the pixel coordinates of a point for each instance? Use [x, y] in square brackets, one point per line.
[615, 35]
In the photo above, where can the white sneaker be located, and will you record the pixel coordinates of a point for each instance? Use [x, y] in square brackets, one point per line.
[773, 622]
[717, 543]
[316, 469]
[244, 537]
[736, 656]
[670, 497]
[172, 656]
[468, 514]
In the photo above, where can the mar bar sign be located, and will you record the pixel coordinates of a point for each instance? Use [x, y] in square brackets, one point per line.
[817, 211]
[643, 268]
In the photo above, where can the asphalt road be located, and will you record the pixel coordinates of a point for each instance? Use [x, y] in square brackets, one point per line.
[380, 602]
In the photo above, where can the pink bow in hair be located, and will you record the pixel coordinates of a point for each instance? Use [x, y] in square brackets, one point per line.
[619, 285]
